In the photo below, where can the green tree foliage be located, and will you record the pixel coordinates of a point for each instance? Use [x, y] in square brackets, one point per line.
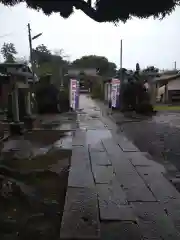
[48, 63]
[43, 49]
[41, 55]
[8, 51]
[22, 60]
[103, 10]
[134, 94]
[151, 69]
[136, 98]
[103, 66]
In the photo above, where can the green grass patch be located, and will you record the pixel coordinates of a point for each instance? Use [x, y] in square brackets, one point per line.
[166, 108]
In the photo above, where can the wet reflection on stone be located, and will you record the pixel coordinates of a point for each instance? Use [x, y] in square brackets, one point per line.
[95, 136]
[40, 151]
[65, 142]
[64, 127]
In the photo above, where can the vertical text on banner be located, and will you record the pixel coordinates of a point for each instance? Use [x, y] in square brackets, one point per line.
[73, 89]
[115, 84]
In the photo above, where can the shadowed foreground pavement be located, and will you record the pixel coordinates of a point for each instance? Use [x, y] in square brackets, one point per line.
[114, 190]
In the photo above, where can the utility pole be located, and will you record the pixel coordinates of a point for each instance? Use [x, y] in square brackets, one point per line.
[61, 77]
[121, 77]
[175, 65]
[30, 48]
[121, 55]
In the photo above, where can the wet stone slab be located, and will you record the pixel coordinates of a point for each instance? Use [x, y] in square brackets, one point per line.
[80, 155]
[19, 148]
[80, 219]
[79, 138]
[113, 204]
[65, 142]
[91, 124]
[111, 192]
[65, 126]
[135, 188]
[162, 189]
[172, 209]
[139, 159]
[40, 151]
[103, 174]
[80, 174]
[126, 145]
[99, 158]
[127, 175]
[95, 136]
[96, 147]
[112, 212]
[122, 230]
[112, 148]
[154, 222]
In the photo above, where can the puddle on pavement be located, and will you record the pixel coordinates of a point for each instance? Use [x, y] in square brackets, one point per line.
[56, 126]
[33, 188]
[172, 119]
[65, 142]
[64, 127]
[95, 136]
[91, 124]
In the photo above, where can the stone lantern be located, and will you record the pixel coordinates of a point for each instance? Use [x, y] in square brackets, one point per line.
[20, 96]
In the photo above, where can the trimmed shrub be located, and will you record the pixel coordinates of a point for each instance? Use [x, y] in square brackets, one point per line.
[136, 98]
[64, 100]
[97, 91]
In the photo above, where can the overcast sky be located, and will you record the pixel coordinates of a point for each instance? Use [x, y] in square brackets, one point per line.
[149, 42]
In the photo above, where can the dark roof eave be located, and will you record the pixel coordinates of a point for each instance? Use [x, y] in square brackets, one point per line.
[166, 79]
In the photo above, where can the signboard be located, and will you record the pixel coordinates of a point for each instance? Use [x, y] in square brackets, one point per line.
[77, 95]
[115, 85]
[74, 94]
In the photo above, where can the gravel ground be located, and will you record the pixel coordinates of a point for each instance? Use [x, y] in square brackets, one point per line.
[159, 136]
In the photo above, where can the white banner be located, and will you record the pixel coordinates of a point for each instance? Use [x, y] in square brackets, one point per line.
[73, 89]
[114, 92]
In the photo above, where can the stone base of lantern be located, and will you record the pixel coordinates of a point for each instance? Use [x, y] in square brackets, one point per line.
[16, 128]
[29, 122]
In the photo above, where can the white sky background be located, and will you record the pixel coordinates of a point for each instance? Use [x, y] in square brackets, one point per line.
[149, 42]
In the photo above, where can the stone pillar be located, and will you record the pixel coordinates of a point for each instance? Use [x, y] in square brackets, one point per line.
[15, 127]
[28, 102]
[153, 93]
[29, 120]
[157, 89]
[106, 92]
[15, 104]
[166, 93]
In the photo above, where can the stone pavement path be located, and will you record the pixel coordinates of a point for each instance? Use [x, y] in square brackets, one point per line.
[114, 190]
